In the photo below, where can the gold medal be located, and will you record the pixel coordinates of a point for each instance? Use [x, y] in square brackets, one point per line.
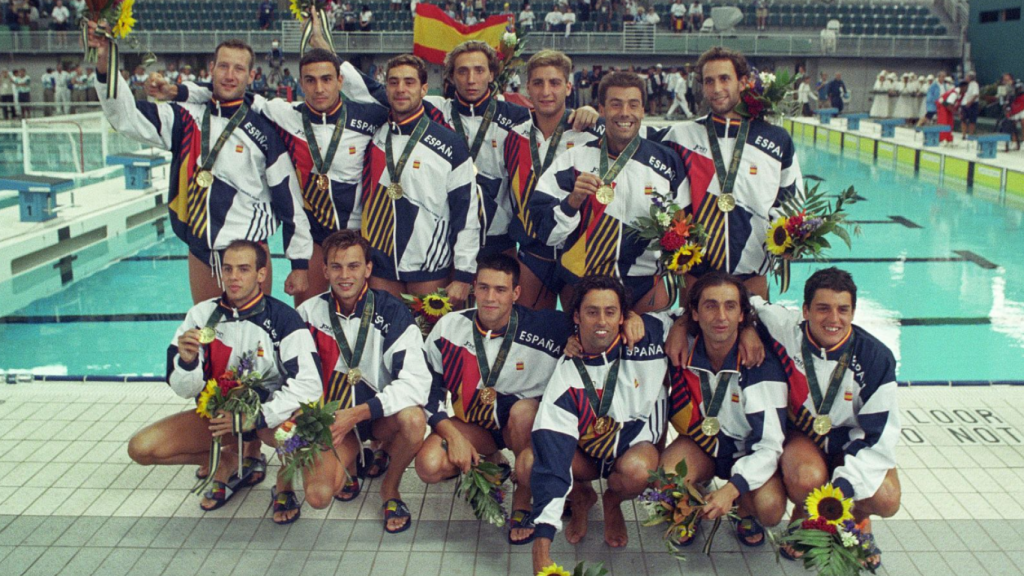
[395, 191]
[354, 376]
[207, 335]
[710, 426]
[604, 425]
[487, 395]
[727, 202]
[323, 182]
[605, 194]
[822, 424]
[204, 178]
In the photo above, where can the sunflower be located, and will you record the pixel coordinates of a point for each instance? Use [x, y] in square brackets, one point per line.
[779, 239]
[828, 503]
[553, 570]
[202, 405]
[685, 258]
[125, 20]
[297, 8]
[435, 305]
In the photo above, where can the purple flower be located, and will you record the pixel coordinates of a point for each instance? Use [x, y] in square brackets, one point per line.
[293, 444]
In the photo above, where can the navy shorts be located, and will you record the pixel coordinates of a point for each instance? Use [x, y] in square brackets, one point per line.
[970, 113]
[544, 268]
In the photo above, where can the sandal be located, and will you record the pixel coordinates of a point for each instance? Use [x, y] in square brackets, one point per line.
[686, 541]
[250, 468]
[285, 501]
[395, 508]
[381, 460]
[520, 519]
[350, 491]
[747, 528]
[220, 493]
[202, 476]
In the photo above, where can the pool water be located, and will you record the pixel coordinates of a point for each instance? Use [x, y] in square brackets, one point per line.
[940, 275]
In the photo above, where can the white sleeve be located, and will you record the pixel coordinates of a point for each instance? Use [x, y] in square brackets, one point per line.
[302, 378]
[142, 121]
[407, 363]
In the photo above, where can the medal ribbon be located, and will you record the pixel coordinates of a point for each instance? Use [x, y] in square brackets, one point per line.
[609, 174]
[539, 167]
[824, 405]
[713, 401]
[395, 170]
[474, 149]
[196, 195]
[218, 314]
[604, 403]
[489, 375]
[352, 357]
[210, 156]
[323, 165]
[709, 214]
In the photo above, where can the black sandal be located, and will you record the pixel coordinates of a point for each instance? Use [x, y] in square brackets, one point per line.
[220, 493]
[286, 501]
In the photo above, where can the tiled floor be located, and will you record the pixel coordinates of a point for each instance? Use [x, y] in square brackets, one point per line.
[72, 503]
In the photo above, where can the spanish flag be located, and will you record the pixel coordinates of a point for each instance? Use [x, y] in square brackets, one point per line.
[435, 34]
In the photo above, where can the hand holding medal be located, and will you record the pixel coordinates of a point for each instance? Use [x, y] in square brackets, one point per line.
[586, 185]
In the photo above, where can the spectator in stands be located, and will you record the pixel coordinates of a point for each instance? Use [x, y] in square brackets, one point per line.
[338, 15]
[822, 89]
[60, 17]
[137, 82]
[365, 19]
[969, 105]
[526, 18]
[696, 16]
[7, 94]
[583, 10]
[186, 74]
[172, 73]
[837, 93]
[265, 14]
[287, 85]
[761, 10]
[471, 18]
[803, 96]
[568, 19]
[603, 8]
[651, 17]
[554, 19]
[678, 13]
[203, 76]
[77, 10]
[631, 11]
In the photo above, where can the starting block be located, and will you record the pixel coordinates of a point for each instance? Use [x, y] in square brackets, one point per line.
[931, 133]
[825, 114]
[138, 168]
[37, 195]
[987, 143]
[889, 126]
[853, 120]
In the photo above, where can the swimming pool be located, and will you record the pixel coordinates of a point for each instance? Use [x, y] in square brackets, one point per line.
[940, 274]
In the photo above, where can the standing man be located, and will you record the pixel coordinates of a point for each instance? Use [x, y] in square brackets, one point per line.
[931, 99]
[62, 90]
[246, 195]
[969, 105]
[590, 195]
[803, 96]
[837, 93]
[245, 322]
[373, 362]
[49, 81]
[420, 207]
[679, 86]
[822, 89]
[735, 201]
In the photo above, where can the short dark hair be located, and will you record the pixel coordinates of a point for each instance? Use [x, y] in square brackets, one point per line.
[590, 283]
[711, 280]
[344, 239]
[830, 279]
[256, 247]
[621, 79]
[408, 60]
[236, 44]
[739, 61]
[501, 263]
[317, 55]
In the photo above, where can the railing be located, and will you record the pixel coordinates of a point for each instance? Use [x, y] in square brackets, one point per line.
[611, 43]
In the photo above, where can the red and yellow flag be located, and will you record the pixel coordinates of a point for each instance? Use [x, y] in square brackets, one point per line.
[435, 34]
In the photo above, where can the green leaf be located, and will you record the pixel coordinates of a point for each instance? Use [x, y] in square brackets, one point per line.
[681, 470]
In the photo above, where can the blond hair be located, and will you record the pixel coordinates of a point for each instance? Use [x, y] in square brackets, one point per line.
[553, 58]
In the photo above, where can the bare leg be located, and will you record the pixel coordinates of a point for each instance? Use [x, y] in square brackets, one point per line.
[393, 287]
[803, 469]
[517, 438]
[182, 438]
[535, 295]
[432, 463]
[402, 435]
[767, 504]
[627, 481]
[655, 299]
[582, 497]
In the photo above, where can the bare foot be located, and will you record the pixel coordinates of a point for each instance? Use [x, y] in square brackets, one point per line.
[583, 499]
[615, 534]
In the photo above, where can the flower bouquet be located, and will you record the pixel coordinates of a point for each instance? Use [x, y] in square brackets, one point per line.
[301, 439]
[802, 229]
[673, 232]
[234, 392]
[120, 14]
[303, 11]
[580, 570]
[831, 542]
[428, 309]
[767, 94]
[510, 50]
[483, 488]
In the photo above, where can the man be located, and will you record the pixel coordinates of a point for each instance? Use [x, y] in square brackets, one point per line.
[837, 93]
[803, 96]
[245, 322]
[326, 138]
[138, 83]
[601, 415]
[265, 14]
[678, 13]
[49, 81]
[931, 98]
[969, 105]
[373, 362]
[245, 195]
[729, 418]
[554, 19]
[844, 422]
[60, 17]
[655, 88]
[590, 194]
[23, 92]
[172, 73]
[678, 85]
[735, 209]
[761, 10]
[420, 208]
[62, 89]
[822, 89]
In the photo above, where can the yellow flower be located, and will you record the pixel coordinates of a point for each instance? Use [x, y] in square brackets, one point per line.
[125, 21]
[553, 570]
[829, 503]
[685, 258]
[778, 237]
[202, 405]
[435, 305]
[296, 8]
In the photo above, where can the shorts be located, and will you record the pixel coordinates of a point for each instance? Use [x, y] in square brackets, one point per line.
[502, 411]
[969, 113]
[604, 466]
[762, 12]
[497, 244]
[384, 268]
[723, 466]
[929, 115]
[544, 268]
[318, 231]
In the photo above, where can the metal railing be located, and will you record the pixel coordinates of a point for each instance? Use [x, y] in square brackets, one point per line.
[610, 43]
